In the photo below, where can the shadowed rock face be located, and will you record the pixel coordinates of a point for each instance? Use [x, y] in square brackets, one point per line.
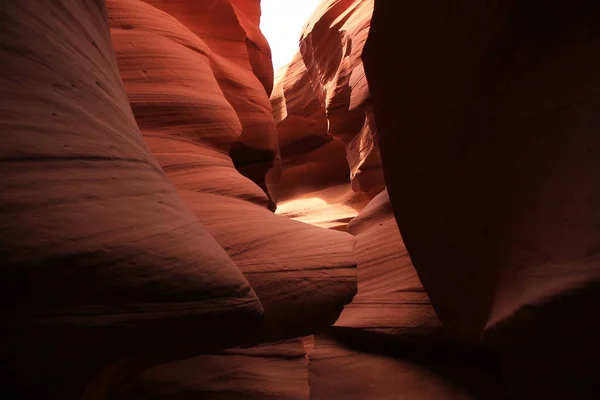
[488, 128]
[96, 243]
[270, 371]
[391, 303]
[353, 371]
[139, 178]
[322, 107]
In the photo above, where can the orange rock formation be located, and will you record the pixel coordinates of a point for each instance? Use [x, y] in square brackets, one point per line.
[146, 143]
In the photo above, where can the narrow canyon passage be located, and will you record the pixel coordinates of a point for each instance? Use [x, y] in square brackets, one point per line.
[407, 209]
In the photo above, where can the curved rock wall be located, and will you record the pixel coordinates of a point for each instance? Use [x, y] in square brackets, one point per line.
[323, 94]
[136, 210]
[100, 255]
[241, 62]
[487, 124]
[489, 128]
[311, 159]
[175, 52]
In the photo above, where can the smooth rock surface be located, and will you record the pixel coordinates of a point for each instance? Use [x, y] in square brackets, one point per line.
[312, 160]
[331, 45]
[100, 256]
[304, 274]
[341, 370]
[490, 147]
[241, 62]
[321, 105]
[391, 304]
[277, 371]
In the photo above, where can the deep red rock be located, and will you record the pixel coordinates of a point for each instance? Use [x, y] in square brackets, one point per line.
[271, 371]
[241, 62]
[100, 255]
[321, 105]
[488, 128]
[391, 303]
[342, 371]
[303, 274]
[312, 159]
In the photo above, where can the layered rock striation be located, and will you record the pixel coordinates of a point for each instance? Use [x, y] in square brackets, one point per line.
[322, 99]
[296, 269]
[146, 144]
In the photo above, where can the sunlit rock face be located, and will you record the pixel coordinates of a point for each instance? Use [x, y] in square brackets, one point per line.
[321, 105]
[191, 81]
[488, 127]
[331, 46]
[312, 160]
[204, 45]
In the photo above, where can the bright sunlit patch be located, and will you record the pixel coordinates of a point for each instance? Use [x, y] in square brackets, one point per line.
[317, 212]
[330, 208]
[281, 23]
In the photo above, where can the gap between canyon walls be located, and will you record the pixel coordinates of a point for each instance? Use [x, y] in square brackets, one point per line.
[487, 120]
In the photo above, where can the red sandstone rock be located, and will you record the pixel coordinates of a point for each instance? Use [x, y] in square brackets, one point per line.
[341, 371]
[169, 78]
[391, 303]
[100, 256]
[241, 62]
[323, 94]
[311, 158]
[488, 128]
[277, 371]
[487, 125]
[392, 300]
[331, 46]
[303, 274]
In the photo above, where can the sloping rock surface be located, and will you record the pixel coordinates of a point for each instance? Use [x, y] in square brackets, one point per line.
[175, 53]
[99, 253]
[490, 145]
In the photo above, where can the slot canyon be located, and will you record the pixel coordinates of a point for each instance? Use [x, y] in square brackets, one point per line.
[408, 209]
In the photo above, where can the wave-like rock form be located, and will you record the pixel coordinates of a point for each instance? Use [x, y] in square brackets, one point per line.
[331, 45]
[240, 59]
[323, 94]
[341, 370]
[127, 248]
[488, 127]
[391, 302]
[311, 159]
[100, 255]
[271, 371]
[302, 274]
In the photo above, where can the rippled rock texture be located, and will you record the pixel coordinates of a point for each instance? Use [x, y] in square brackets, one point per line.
[123, 242]
[486, 124]
[96, 242]
[146, 144]
[167, 52]
[322, 108]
